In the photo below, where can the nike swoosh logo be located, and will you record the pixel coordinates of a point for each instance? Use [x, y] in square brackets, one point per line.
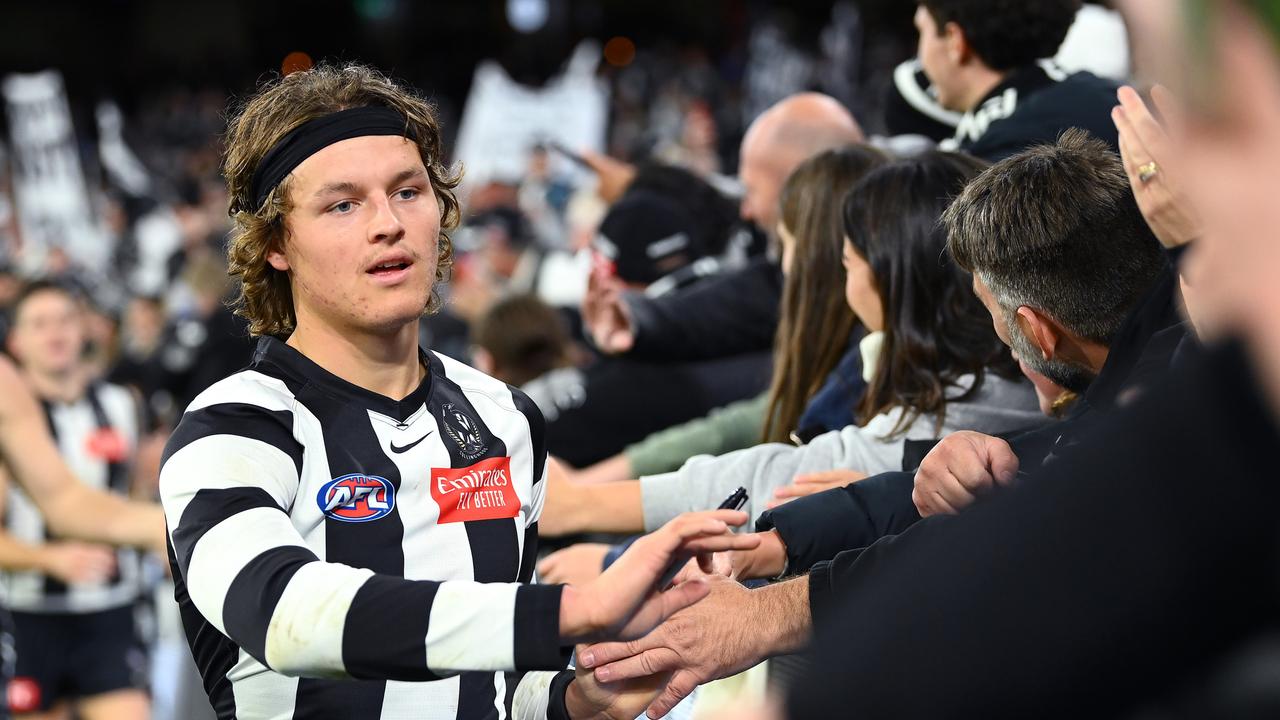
[408, 447]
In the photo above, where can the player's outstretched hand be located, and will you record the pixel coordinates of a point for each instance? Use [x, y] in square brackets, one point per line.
[632, 596]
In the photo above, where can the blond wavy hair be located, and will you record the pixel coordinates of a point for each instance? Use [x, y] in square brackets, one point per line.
[264, 297]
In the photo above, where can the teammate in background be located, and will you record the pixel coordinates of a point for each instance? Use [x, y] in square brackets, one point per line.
[353, 519]
[71, 509]
[73, 607]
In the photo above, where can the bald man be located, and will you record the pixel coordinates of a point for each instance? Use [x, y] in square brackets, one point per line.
[788, 133]
[737, 312]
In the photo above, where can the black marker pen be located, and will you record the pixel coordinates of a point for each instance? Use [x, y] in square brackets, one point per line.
[733, 502]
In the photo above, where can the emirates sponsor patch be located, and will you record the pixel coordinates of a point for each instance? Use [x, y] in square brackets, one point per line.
[478, 492]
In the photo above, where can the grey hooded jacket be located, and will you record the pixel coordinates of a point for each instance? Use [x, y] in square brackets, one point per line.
[999, 406]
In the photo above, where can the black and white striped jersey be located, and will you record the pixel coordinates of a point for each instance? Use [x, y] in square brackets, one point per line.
[97, 437]
[339, 554]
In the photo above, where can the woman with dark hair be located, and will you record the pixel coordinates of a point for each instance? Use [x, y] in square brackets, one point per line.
[933, 366]
[930, 341]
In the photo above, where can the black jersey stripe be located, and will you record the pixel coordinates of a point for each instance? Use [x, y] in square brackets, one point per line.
[274, 427]
[253, 595]
[495, 550]
[537, 431]
[208, 508]
[51, 586]
[352, 446]
[214, 653]
[117, 470]
[537, 642]
[334, 699]
[538, 441]
[529, 554]
[377, 649]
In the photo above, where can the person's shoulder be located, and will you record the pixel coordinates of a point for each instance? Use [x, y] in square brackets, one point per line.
[237, 412]
[9, 376]
[473, 382]
[1077, 94]
[13, 390]
[999, 404]
[247, 387]
[116, 393]
[122, 400]
[1086, 79]
[1081, 100]
[557, 391]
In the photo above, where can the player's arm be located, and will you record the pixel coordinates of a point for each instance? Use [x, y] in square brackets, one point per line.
[15, 554]
[230, 471]
[570, 695]
[70, 508]
[70, 562]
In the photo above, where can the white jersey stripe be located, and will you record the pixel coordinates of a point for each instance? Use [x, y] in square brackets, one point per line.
[257, 690]
[472, 622]
[223, 551]
[436, 700]
[220, 462]
[306, 631]
[249, 387]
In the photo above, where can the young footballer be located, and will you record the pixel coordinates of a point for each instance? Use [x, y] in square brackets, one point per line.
[353, 519]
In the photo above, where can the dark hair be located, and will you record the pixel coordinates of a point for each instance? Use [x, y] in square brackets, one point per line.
[511, 220]
[525, 336]
[1008, 33]
[35, 287]
[265, 296]
[1056, 227]
[935, 329]
[715, 214]
[815, 321]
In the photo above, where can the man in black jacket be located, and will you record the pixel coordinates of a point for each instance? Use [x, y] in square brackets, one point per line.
[647, 239]
[737, 312]
[983, 58]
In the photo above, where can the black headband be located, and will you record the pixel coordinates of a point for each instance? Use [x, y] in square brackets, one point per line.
[316, 134]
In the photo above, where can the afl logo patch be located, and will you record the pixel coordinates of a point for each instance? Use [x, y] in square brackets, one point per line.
[463, 430]
[357, 498]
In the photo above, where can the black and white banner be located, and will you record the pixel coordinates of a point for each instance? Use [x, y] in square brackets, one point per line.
[50, 197]
[503, 119]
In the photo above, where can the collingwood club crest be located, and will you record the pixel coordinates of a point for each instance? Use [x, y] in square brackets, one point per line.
[462, 430]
